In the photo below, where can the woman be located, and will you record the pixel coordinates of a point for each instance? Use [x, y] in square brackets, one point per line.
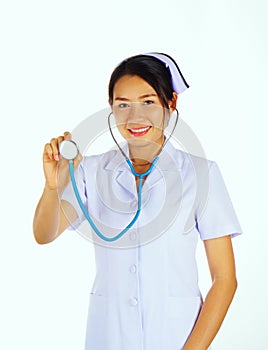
[146, 295]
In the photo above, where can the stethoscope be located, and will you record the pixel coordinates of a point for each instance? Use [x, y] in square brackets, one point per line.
[69, 151]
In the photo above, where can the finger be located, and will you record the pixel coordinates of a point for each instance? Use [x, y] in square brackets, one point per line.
[48, 151]
[60, 139]
[55, 148]
[67, 135]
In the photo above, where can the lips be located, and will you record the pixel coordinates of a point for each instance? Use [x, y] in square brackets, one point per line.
[139, 131]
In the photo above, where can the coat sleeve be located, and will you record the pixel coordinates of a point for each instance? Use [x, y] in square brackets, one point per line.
[217, 216]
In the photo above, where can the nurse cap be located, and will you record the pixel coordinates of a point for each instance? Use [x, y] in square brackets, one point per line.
[178, 81]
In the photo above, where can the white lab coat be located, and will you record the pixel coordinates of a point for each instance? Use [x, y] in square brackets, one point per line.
[145, 295]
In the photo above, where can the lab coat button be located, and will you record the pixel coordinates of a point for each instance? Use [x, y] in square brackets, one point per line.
[133, 301]
[133, 268]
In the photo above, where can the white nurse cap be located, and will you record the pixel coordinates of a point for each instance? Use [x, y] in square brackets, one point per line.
[178, 81]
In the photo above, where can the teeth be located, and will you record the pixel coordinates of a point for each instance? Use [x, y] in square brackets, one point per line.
[140, 130]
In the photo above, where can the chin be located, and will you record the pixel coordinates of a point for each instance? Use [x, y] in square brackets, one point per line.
[138, 143]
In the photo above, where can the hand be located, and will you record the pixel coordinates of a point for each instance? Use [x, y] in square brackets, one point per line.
[56, 169]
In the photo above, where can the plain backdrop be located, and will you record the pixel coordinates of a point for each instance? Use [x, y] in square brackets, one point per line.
[56, 59]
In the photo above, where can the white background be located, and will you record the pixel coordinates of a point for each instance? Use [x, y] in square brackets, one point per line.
[56, 59]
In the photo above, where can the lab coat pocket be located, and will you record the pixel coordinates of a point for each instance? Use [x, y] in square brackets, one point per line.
[97, 304]
[182, 315]
[96, 325]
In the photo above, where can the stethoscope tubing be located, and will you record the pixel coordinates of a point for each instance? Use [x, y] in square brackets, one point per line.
[140, 176]
[86, 214]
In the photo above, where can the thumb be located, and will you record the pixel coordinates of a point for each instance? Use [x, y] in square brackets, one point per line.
[78, 160]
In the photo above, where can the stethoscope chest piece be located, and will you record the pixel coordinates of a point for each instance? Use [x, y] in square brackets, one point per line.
[69, 149]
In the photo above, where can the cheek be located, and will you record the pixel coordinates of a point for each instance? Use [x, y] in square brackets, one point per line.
[122, 130]
[157, 119]
[117, 121]
[159, 124]
[121, 125]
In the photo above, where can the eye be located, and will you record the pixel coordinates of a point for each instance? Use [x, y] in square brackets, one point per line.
[148, 102]
[123, 105]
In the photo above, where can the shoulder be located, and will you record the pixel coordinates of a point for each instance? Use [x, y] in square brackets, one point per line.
[191, 162]
[103, 159]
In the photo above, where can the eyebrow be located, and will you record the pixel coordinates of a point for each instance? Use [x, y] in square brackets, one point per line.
[140, 97]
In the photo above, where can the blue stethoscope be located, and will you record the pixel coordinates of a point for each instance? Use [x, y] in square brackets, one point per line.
[69, 151]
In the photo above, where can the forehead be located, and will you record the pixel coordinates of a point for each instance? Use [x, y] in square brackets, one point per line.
[132, 86]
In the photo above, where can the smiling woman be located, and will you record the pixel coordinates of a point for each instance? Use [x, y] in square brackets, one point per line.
[147, 295]
[142, 97]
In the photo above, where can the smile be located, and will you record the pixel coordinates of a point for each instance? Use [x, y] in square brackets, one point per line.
[139, 131]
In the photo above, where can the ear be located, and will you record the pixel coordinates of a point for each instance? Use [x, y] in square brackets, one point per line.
[173, 102]
[172, 106]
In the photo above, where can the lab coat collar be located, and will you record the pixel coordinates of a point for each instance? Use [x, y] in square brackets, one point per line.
[170, 160]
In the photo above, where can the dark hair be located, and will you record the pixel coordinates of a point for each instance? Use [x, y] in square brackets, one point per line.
[149, 68]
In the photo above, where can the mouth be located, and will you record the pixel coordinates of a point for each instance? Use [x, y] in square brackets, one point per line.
[141, 131]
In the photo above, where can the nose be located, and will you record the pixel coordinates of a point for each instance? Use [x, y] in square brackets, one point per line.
[136, 113]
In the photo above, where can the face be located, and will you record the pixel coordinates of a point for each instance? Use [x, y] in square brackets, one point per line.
[138, 111]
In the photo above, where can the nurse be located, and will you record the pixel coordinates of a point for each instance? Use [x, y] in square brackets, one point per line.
[145, 295]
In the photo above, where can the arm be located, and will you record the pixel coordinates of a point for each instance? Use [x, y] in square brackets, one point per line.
[50, 218]
[221, 262]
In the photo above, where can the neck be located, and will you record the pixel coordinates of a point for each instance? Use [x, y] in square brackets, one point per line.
[145, 154]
